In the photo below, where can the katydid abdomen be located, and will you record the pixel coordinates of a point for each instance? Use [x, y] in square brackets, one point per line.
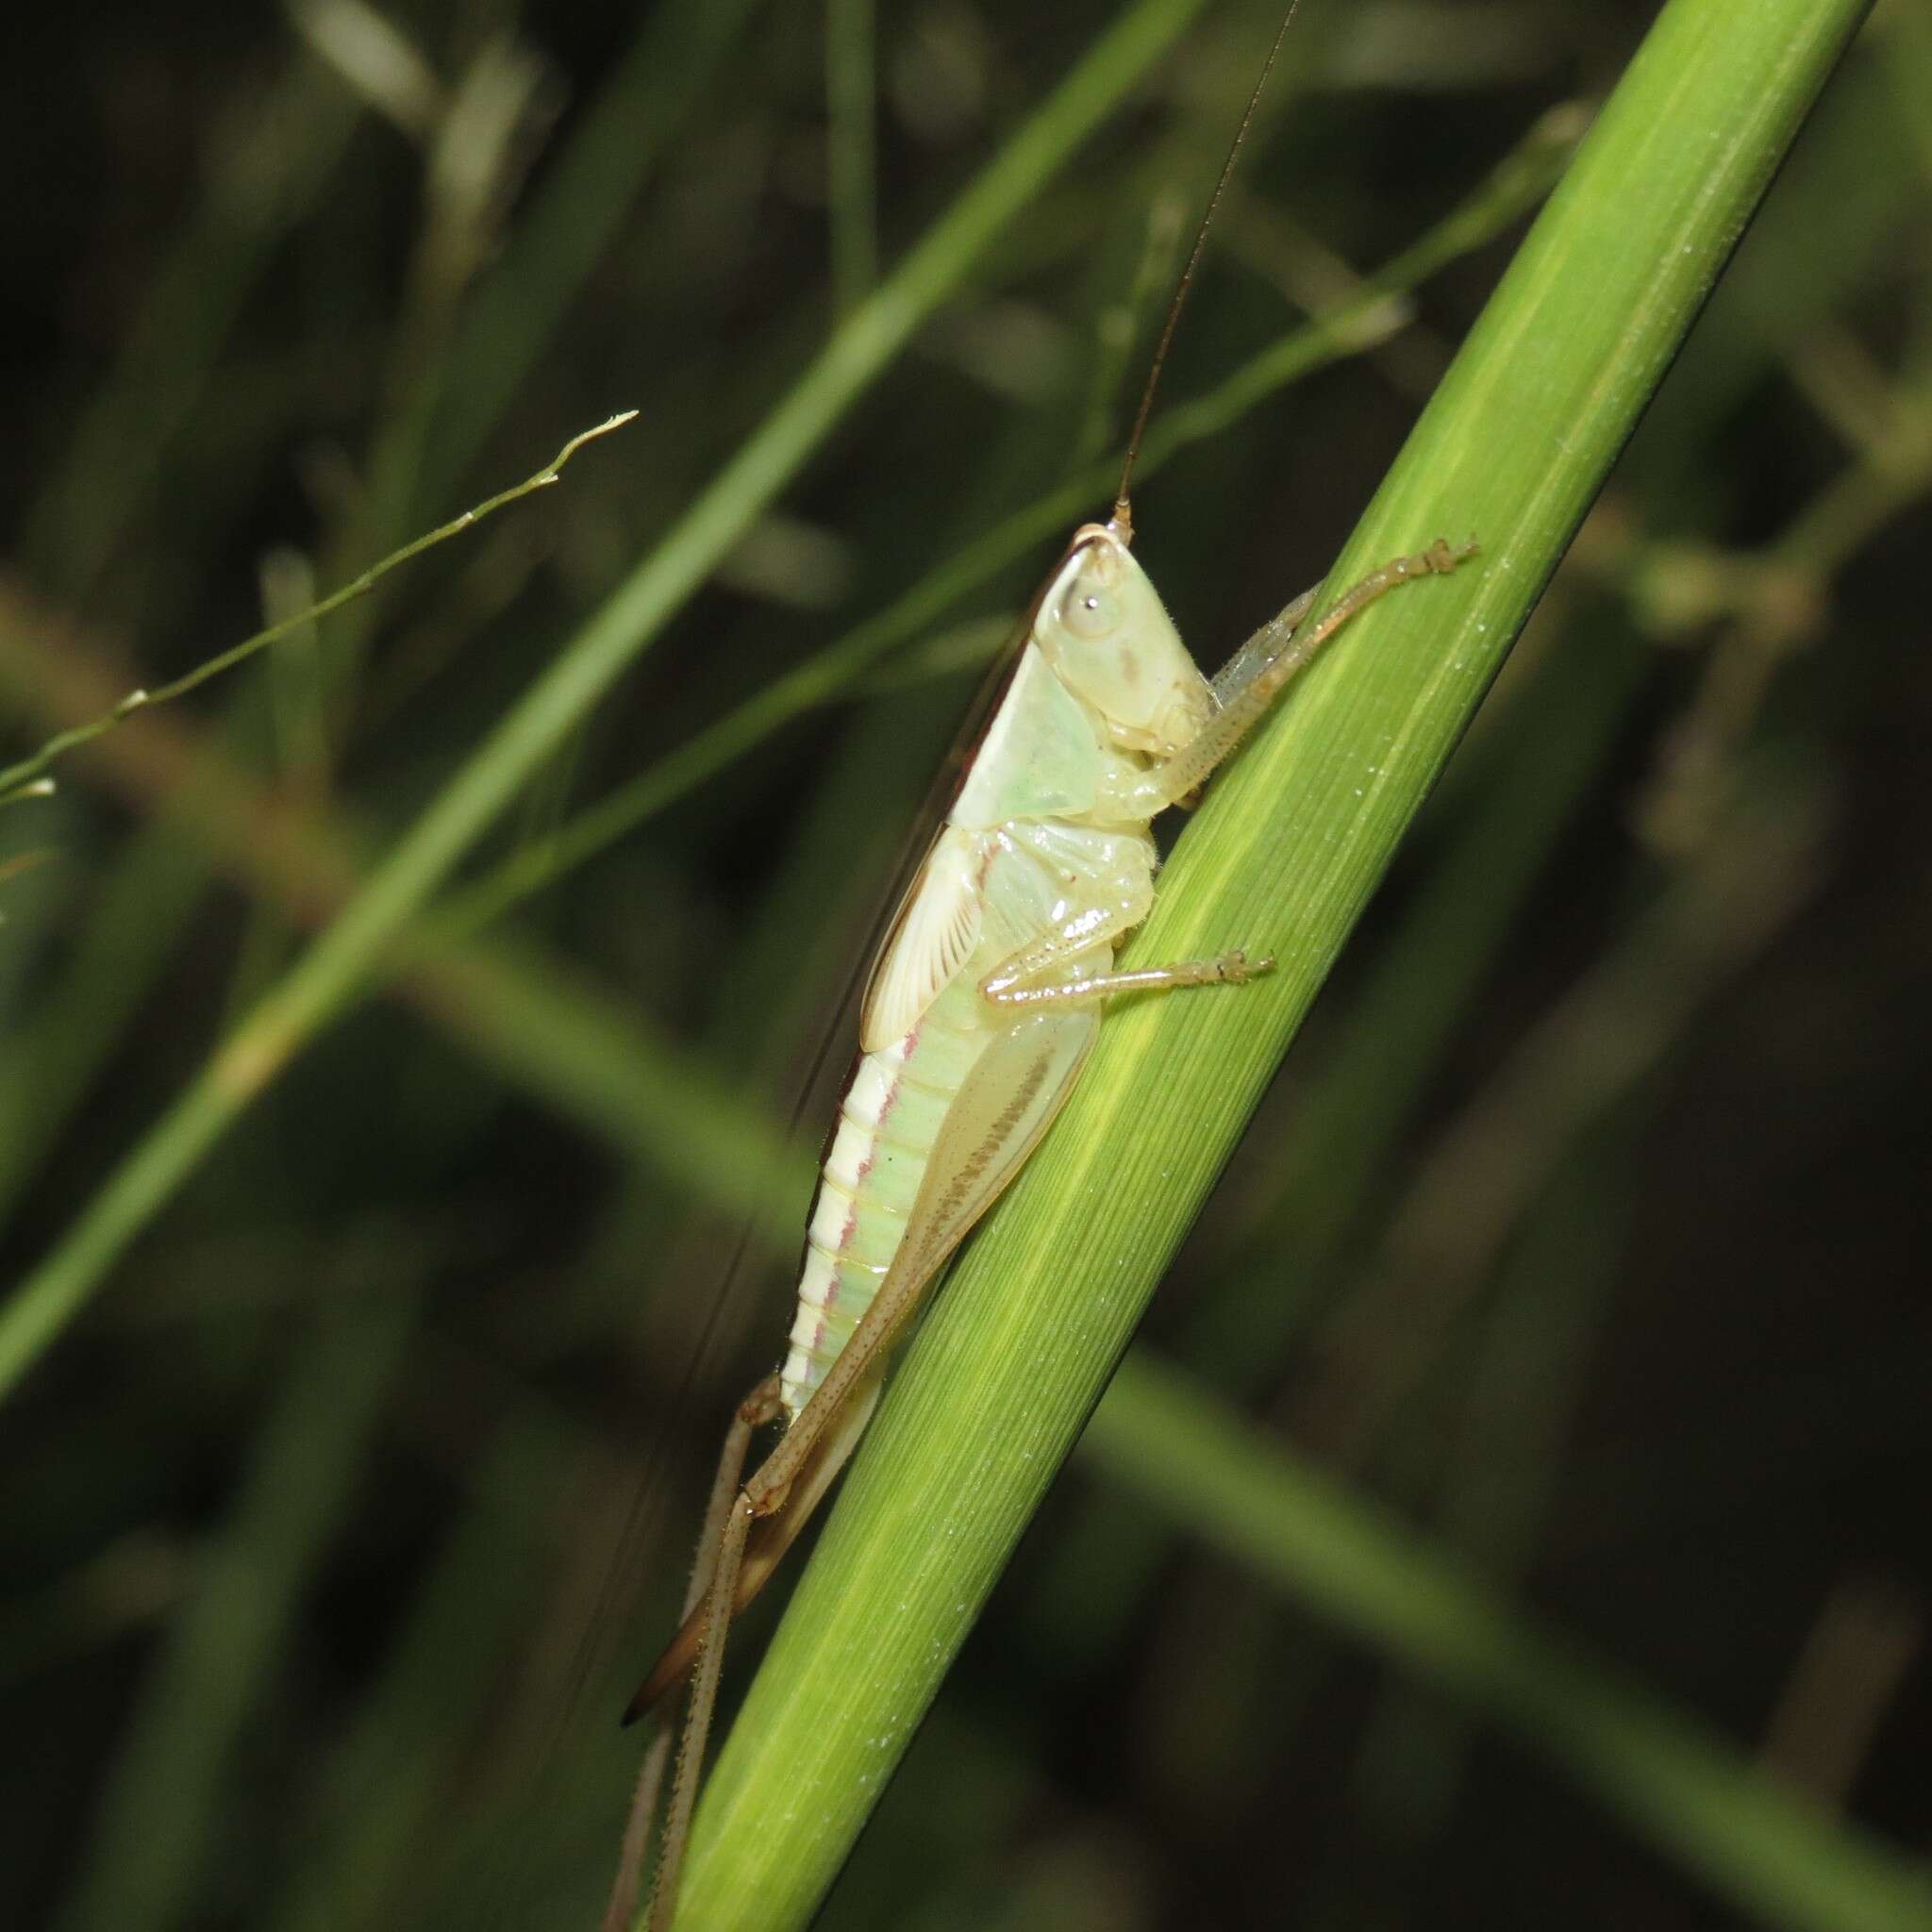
[1026, 878]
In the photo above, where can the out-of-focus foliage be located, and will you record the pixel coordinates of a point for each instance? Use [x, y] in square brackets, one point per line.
[1585, 1231]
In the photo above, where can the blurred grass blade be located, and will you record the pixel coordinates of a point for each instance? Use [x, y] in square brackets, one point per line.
[1764, 1849]
[331, 972]
[266, 167]
[578, 210]
[1285, 855]
[221, 1646]
[850, 162]
[536, 1020]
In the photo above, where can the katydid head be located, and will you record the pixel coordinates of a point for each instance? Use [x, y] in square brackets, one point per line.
[1108, 639]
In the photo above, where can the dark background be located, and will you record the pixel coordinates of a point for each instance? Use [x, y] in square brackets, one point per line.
[1586, 1227]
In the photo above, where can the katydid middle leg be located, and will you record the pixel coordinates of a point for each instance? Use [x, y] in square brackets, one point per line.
[1035, 976]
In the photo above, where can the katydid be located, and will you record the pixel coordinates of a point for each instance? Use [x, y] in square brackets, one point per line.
[981, 1006]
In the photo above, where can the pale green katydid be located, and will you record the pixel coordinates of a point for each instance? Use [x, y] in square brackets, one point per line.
[982, 1005]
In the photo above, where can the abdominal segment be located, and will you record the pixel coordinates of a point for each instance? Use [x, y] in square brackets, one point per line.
[888, 1123]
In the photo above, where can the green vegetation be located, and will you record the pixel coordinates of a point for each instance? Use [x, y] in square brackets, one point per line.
[399, 1025]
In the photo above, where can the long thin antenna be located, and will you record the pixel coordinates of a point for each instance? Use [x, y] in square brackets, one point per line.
[1123, 520]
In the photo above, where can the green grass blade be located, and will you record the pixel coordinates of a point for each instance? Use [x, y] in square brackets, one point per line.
[1287, 852]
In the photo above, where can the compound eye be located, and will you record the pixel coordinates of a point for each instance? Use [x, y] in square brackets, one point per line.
[1089, 612]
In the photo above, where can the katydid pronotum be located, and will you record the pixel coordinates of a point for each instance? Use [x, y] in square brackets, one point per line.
[981, 1006]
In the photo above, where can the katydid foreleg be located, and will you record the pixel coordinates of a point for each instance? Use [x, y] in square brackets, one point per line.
[1244, 705]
